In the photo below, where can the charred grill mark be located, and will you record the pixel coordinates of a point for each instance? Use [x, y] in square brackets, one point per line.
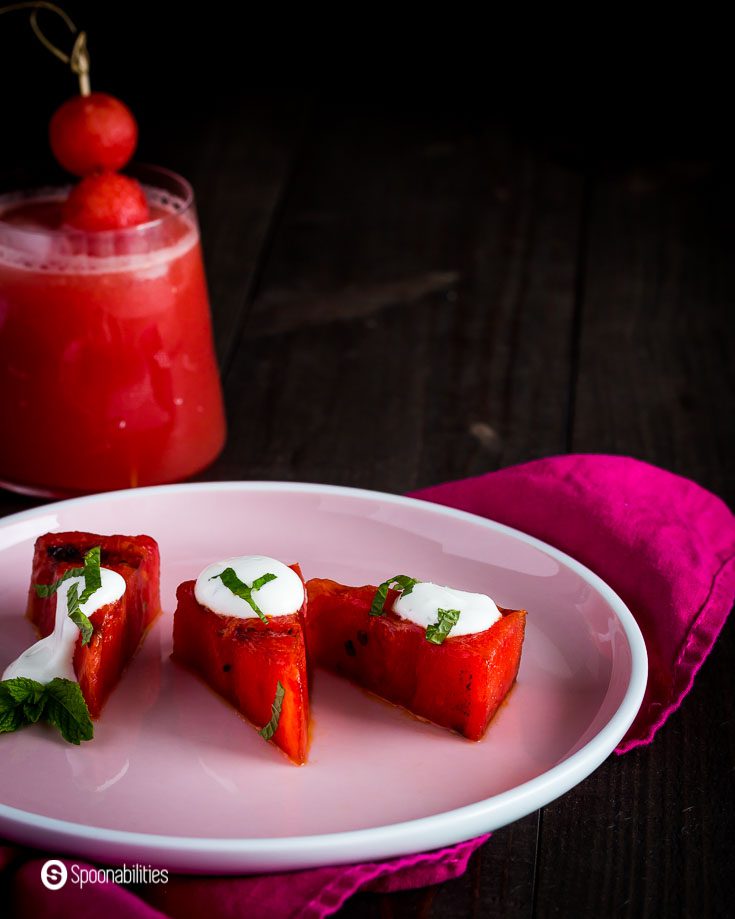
[69, 553]
[64, 553]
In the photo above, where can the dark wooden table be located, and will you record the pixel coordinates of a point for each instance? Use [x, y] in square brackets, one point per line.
[408, 293]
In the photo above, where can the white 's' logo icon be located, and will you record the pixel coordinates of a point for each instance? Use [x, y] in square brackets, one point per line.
[53, 874]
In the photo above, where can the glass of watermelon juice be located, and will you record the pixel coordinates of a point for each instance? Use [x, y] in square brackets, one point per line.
[108, 376]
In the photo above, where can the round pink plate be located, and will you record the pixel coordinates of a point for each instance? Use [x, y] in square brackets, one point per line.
[174, 777]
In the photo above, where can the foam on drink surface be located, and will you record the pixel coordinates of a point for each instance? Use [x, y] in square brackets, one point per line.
[29, 240]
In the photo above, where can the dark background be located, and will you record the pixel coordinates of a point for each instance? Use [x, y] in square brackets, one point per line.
[416, 278]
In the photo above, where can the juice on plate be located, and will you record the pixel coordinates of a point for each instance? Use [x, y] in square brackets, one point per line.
[108, 377]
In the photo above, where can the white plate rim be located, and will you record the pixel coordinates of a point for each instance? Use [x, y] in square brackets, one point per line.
[233, 855]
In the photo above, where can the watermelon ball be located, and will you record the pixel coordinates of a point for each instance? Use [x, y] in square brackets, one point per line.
[105, 201]
[93, 133]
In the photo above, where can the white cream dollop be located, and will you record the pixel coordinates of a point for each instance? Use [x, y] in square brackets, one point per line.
[53, 656]
[280, 597]
[477, 612]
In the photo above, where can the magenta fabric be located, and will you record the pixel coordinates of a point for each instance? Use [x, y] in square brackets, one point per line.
[302, 894]
[662, 542]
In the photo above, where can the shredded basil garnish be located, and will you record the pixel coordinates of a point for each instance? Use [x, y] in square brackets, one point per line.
[232, 582]
[270, 729]
[77, 616]
[404, 583]
[48, 590]
[92, 573]
[92, 583]
[447, 620]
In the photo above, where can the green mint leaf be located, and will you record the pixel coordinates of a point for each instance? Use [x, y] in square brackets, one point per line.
[16, 696]
[270, 729]
[48, 590]
[73, 606]
[67, 710]
[404, 584]
[11, 719]
[447, 620]
[24, 701]
[240, 589]
[92, 573]
[33, 709]
[7, 702]
[22, 689]
[12, 695]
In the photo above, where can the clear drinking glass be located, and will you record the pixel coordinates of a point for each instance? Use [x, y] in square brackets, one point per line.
[108, 376]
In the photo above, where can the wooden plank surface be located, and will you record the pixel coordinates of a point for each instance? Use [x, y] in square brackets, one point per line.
[238, 156]
[655, 380]
[400, 334]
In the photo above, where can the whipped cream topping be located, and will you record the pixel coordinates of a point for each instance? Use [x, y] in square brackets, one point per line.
[477, 612]
[280, 597]
[53, 656]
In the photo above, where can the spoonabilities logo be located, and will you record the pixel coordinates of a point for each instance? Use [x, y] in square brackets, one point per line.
[53, 874]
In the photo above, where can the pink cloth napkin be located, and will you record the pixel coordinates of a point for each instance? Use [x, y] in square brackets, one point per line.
[663, 543]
